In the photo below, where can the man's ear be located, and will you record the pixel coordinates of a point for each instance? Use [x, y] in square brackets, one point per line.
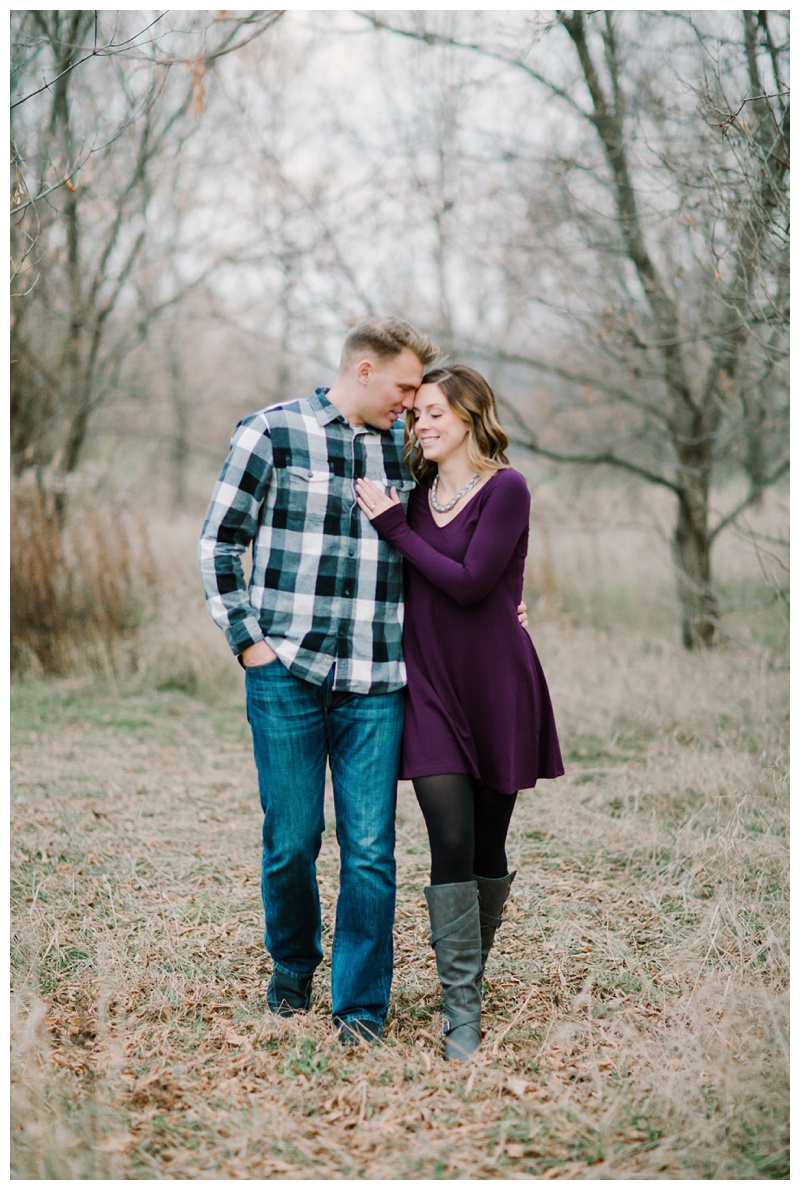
[363, 369]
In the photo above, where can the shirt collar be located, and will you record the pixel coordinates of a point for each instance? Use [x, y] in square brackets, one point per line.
[326, 412]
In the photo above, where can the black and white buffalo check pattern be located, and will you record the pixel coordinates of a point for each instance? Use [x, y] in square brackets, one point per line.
[324, 588]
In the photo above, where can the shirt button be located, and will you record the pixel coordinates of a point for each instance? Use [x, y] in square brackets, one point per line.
[310, 473]
[348, 590]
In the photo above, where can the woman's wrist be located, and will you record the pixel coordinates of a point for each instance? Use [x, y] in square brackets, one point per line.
[392, 518]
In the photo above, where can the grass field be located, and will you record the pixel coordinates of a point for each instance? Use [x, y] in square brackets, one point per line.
[636, 1015]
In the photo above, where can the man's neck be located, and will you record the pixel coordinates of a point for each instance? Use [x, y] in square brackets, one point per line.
[340, 396]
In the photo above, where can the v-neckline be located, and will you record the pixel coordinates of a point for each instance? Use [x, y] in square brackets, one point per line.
[464, 507]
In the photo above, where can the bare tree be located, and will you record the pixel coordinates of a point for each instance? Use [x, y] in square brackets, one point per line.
[659, 239]
[91, 146]
[597, 201]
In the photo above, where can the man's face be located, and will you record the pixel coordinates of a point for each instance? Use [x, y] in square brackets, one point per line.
[388, 387]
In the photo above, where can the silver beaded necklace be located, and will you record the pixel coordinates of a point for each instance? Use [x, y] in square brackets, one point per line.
[451, 503]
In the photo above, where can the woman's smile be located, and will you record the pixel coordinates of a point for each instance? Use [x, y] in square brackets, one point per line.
[440, 432]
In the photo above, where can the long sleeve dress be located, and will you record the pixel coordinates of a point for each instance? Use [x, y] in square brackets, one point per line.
[477, 700]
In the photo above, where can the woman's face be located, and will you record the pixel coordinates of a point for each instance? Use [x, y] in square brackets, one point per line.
[440, 431]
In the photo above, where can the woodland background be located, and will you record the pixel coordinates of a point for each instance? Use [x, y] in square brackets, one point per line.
[590, 207]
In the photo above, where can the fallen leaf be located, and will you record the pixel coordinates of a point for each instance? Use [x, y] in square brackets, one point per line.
[233, 1038]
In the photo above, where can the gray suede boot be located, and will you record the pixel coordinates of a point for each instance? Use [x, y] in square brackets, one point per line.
[492, 896]
[456, 941]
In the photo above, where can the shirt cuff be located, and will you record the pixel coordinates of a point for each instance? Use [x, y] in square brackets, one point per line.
[243, 634]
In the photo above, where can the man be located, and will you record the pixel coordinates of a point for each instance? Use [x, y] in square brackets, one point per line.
[319, 633]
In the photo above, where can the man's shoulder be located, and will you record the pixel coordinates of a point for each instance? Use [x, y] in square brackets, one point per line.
[281, 413]
[291, 417]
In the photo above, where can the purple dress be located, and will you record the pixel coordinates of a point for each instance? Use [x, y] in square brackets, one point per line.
[477, 699]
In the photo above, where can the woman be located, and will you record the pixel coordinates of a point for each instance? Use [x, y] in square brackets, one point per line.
[479, 724]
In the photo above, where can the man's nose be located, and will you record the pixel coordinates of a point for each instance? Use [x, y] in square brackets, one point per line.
[408, 401]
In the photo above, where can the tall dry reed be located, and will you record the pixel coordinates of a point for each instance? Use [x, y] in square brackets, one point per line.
[80, 575]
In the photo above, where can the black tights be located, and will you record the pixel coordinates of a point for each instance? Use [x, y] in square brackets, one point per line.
[467, 827]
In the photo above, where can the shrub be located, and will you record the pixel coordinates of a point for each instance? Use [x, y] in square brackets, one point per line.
[80, 574]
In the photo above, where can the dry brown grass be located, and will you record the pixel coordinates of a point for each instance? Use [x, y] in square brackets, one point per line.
[79, 581]
[637, 1006]
[636, 1013]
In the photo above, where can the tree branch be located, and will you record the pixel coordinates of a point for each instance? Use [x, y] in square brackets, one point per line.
[755, 492]
[431, 39]
[269, 19]
[608, 121]
[528, 441]
[497, 355]
[106, 51]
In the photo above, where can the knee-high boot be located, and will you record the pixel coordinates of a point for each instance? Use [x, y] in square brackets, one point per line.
[492, 896]
[456, 941]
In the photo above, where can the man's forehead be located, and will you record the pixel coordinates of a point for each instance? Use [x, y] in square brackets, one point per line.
[406, 360]
[408, 368]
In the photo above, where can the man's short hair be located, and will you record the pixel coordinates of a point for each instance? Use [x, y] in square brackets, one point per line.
[387, 337]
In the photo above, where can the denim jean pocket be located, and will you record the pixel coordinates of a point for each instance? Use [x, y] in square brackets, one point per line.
[249, 669]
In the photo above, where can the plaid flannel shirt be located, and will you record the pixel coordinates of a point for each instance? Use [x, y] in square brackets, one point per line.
[324, 587]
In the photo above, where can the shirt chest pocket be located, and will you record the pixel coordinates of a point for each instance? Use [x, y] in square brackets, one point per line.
[308, 494]
[403, 487]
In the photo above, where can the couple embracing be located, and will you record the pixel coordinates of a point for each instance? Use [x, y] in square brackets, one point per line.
[382, 632]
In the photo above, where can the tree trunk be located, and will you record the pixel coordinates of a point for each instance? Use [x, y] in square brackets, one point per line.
[180, 440]
[691, 551]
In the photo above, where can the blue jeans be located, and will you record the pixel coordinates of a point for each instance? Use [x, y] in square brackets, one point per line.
[296, 728]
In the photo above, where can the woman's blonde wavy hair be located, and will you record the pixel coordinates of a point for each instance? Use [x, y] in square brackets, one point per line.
[470, 396]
